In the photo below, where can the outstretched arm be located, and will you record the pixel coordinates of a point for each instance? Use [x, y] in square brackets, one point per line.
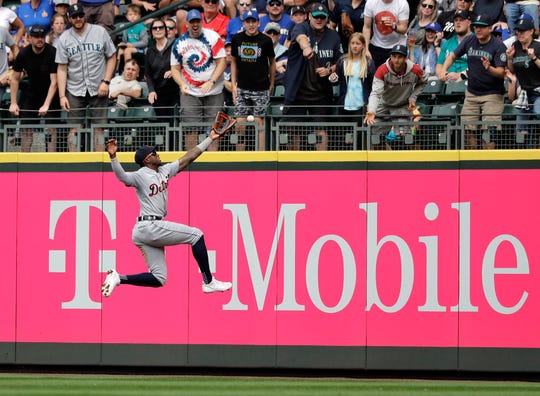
[120, 173]
[196, 151]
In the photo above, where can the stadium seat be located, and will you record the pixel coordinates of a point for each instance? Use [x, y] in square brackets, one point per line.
[433, 87]
[144, 113]
[455, 87]
[279, 91]
[115, 114]
[447, 111]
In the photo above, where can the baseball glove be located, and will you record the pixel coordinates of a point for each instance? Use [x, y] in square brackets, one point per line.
[223, 123]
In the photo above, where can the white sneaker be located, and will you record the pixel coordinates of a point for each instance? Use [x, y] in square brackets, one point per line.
[111, 281]
[216, 286]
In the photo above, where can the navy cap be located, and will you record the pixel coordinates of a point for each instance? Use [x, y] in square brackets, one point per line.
[193, 14]
[481, 20]
[399, 49]
[36, 30]
[462, 14]
[251, 14]
[318, 9]
[75, 9]
[297, 9]
[524, 24]
[142, 153]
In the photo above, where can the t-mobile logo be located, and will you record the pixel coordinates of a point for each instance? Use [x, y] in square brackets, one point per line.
[57, 258]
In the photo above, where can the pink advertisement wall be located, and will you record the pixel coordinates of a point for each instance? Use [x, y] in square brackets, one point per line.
[357, 251]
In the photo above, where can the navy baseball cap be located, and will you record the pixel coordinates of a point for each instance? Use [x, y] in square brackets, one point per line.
[433, 26]
[142, 153]
[251, 14]
[462, 14]
[75, 9]
[193, 14]
[36, 30]
[524, 24]
[297, 9]
[318, 9]
[399, 49]
[481, 20]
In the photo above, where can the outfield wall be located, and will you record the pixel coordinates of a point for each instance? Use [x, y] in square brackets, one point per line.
[357, 260]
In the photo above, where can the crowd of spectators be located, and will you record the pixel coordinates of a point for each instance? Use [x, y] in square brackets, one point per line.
[207, 53]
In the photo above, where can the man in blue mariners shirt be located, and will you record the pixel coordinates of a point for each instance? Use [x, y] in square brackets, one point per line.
[313, 53]
[484, 98]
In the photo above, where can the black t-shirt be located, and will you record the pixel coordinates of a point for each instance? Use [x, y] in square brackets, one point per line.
[253, 55]
[39, 68]
[527, 73]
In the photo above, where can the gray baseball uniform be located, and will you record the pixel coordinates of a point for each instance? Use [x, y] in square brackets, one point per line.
[151, 236]
[86, 57]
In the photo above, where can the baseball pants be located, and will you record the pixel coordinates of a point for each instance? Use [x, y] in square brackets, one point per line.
[151, 237]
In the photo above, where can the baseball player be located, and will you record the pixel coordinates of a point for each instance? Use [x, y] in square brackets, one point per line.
[152, 232]
[86, 58]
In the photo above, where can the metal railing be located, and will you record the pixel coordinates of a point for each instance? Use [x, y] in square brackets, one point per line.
[436, 131]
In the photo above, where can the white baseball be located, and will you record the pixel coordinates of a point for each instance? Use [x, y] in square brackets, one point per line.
[250, 118]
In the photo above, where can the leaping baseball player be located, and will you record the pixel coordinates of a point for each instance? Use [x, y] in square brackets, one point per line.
[152, 232]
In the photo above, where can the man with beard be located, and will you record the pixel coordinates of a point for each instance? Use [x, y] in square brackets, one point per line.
[86, 58]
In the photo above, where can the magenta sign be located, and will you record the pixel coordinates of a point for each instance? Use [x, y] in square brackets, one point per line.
[440, 258]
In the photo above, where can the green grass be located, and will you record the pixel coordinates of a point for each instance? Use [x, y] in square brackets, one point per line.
[161, 385]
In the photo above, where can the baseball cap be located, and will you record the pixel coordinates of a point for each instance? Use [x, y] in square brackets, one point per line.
[297, 9]
[271, 1]
[193, 14]
[142, 153]
[318, 9]
[62, 2]
[462, 14]
[75, 9]
[433, 26]
[36, 30]
[399, 49]
[251, 14]
[274, 26]
[524, 24]
[481, 20]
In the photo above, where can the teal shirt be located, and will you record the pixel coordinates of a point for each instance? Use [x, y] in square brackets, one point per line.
[448, 47]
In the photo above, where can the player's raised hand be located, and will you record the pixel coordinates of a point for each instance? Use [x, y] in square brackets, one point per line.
[112, 147]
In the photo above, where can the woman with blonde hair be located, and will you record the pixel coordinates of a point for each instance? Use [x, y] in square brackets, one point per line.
[354, 74]
[428, 11]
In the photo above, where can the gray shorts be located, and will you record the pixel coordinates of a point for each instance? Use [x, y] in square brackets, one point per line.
[96, 104]
[252, 102]
[200, 108]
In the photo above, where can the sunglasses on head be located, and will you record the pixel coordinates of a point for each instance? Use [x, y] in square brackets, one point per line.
[424, 5]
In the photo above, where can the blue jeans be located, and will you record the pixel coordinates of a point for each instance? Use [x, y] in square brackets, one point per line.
[513, 11]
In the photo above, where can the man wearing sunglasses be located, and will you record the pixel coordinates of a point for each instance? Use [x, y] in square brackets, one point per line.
[152, 232]
[276, 13]
[313, 54]
[235, 24]
[85, 50]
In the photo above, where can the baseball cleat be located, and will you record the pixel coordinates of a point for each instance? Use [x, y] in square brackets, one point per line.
[111, 281]
[216, 286]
